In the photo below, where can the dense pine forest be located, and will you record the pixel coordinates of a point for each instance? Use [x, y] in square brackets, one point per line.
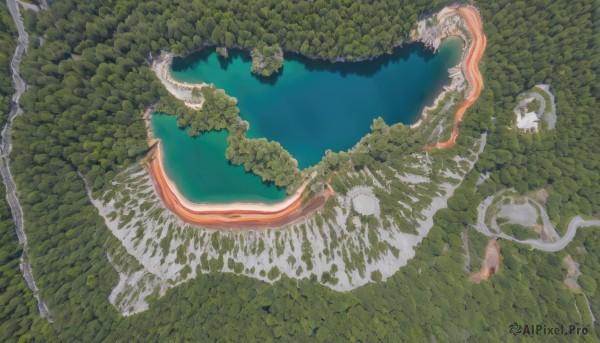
[220, 112]
[19, 316]
[7, 46]
[89, 82]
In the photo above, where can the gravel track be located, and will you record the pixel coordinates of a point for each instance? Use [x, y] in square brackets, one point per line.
[576, 223]
[5, 148]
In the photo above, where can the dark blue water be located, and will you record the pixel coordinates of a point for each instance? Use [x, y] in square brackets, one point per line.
[312, 106]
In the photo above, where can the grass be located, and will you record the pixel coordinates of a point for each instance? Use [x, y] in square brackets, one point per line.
[546, 97]
[533, 105]
[519, 232]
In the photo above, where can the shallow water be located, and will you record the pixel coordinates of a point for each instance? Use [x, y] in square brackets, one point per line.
[309, 107]
[201, 171]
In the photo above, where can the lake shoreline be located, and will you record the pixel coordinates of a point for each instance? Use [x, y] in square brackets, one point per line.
[235, 214]
[180, 90]
[432, 37]
[469, 63]
[260, 215]
[232, 214]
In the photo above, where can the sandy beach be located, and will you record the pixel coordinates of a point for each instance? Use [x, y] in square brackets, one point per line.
[237, 214]
[241, 206]
[181, 90]
[261, 215]
[470, 67]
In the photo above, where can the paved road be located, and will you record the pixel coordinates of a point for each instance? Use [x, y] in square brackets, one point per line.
[539, 98]
[5, 148]
[550, 117]
[548, 228]
[28, 6]
[561, 243]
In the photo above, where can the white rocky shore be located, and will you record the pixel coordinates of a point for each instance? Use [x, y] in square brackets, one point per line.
[181, 90]
[432, 31]
[158, 250]
[342, 251]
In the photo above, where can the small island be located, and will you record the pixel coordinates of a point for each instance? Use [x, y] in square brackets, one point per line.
[268, 159]
[266, 59]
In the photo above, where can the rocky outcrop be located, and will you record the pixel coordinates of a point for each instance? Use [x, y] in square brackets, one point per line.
[266, 59]
[431, 31]
[189, 93]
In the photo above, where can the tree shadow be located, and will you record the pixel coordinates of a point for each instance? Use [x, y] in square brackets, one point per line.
[270, 80]
[224, 62]
[368, 67]
[180, 64]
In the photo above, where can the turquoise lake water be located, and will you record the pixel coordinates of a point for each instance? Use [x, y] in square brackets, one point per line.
[309, 107]
[201, 171]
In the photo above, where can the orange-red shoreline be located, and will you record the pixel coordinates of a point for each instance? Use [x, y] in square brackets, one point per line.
[471, 70]
[267, 216]
[250, 217]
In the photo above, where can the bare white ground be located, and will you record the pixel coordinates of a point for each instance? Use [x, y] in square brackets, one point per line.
[158, 250]
[547, 111]
[340, 250]
[523, 214]
[364, 201]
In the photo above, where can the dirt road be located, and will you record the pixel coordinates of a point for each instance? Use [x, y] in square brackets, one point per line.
[5, 148]
[470, 69]
[575, 224]
[491, 262]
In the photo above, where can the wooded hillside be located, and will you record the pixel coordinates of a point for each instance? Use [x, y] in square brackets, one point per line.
[89, 82]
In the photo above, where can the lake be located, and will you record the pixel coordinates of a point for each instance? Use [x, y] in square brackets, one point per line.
[201, 171]
[309, 106]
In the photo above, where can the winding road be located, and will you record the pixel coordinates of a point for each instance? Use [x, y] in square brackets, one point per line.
[5, 148]
[576, 223]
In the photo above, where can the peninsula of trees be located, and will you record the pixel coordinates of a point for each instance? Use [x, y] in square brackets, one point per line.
[89, 80]
[269, 160]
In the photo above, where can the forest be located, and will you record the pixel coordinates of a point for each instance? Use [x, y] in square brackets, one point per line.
[266, 59]
[19, 316]
[89, 81]
[269, 160]
[7, 46]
